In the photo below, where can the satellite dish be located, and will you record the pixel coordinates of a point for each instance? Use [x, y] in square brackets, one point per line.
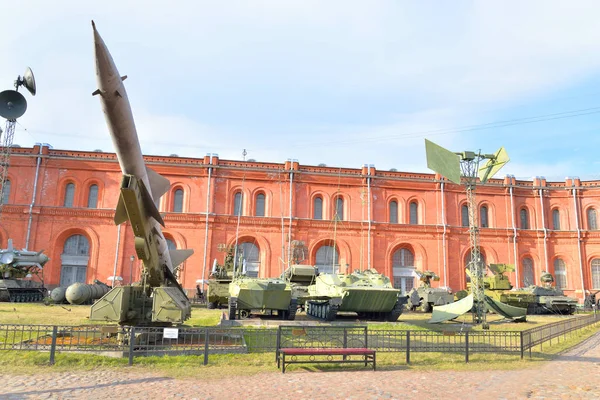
[442, 161]
[28, 81]
[12, 104]
[493, 165]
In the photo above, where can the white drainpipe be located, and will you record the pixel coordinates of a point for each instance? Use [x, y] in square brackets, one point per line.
[444, 237]
[545, 230]
[37, 172]
[514, 227]
[206, 225]
[369, 216]
[289, 252]
[578, 238]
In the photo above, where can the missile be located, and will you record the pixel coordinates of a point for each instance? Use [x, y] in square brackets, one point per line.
[141, 187]
[21, 259]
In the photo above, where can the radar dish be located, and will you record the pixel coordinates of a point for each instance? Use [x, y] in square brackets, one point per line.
[443, 161]
[12, 104]
[29, 81]
[493, 165]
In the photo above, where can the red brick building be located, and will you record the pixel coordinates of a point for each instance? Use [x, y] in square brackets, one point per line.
[63, 201]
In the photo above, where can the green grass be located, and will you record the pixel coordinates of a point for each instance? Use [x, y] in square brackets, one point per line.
[29, 362]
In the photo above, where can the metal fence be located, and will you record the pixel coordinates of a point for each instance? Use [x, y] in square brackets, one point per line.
[119, 341]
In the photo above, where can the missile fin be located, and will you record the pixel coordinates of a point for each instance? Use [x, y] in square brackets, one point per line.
[117, 93]
[149, 204]
[159, 185]
[179, 256]
[121, 212]
[123, 77]
[10, 245]
[97, 91]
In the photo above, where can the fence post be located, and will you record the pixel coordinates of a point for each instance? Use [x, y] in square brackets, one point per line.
[522, 346]
[206, 339]
[407, 347]
[278, 343]
[345, 342]
[131, 343]
[467, 346]
[366, 337]
[53, 345]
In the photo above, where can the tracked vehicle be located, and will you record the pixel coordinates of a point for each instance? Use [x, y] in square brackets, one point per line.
[16, 266]
[545, 299]
[367, 293]
[219, 280]
[425, 297]
[495, 285]
[263, 295]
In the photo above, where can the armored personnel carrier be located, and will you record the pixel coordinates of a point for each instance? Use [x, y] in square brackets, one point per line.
[16, 266]
[219, 280]
[545, 299]
[367, 293]
[248, 295]
[425, 297]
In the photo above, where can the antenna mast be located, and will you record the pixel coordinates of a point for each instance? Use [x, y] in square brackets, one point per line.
[12, 106]
[452, 166]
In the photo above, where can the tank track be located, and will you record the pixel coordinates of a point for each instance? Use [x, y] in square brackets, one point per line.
[211, 305]
[322, 310]
[232, 308]
[25, 296]
[290, 313]
[393, 315]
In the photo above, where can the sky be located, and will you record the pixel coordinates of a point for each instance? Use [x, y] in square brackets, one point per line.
[341, 83]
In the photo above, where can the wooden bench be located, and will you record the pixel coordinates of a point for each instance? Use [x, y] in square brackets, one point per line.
[323, 345]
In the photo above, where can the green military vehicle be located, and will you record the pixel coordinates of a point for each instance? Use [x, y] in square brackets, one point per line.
[218, 282]
[545, 299]
[300, 277]
[494, 285]
[367, 293]
[262, 295]
[425, 297]
[16, 267]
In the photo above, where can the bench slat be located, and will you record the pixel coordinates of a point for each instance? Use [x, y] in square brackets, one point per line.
[331, 351]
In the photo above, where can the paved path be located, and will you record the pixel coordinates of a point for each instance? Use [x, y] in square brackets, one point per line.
[574, 375]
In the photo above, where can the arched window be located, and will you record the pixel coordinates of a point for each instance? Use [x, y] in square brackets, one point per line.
[524, 218]
[237, 204]
[170, 244]
[414, 213]
[248, 252]
[556, 219]
[483, 217]
[74, 260]
[93, 197]
[403, 264]
[468, 263]
[259, 209]
[178, 201]
[5, 191]
[339, 208]
[464, 215]
[327, 260]
[596, 273]
[591, 216]
[527, 272]
[318, 208]
[69, 194]
[393, 212]
[560, 273]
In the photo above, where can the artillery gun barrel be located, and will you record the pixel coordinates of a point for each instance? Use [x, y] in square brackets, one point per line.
[79, 293]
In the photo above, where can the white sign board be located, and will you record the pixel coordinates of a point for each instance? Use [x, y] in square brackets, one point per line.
[170, 333]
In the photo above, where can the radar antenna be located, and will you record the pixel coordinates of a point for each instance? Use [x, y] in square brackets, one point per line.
[12, 106]
[452, 166]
